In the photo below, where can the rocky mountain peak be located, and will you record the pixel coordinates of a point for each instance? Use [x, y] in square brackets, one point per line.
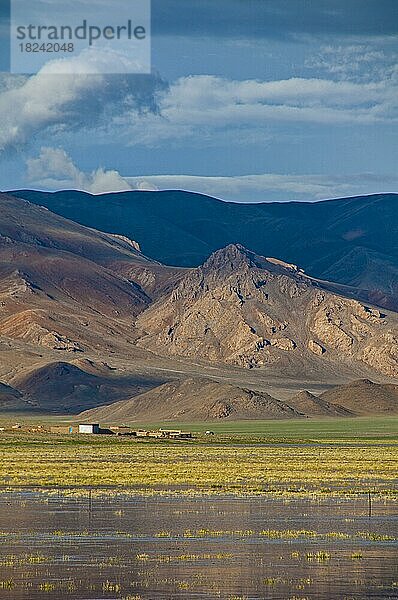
[230, 258]
[246, 310]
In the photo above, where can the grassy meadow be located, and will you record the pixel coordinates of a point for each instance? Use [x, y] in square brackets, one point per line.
[299, 429]
[343, 456]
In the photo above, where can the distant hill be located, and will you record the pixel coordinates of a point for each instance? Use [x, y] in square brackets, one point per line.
[352, 241]
[364, 397]
[194, 400]
[202, 399]
[310, 405]
[65, 388]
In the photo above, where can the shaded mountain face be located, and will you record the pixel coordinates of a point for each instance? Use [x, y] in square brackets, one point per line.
[243, 309]
[66, 287]
[351, 241]
[11, 400]
[69, 387]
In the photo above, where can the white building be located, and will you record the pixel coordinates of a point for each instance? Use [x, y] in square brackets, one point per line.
[89, 428]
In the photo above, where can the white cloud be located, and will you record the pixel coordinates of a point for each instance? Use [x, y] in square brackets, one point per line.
[95, 61]
[144, 185]
[199, 106]
[61, 98]
[370, 60]
[41, 101]
[54, 169]
[257, 187]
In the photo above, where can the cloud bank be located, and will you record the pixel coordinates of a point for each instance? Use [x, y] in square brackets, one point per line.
[58, 101]
[54, 169]
[202, 105]
[249, 188]
[147, 112]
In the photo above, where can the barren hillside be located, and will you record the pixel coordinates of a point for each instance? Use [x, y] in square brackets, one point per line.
[351, 241]
[194, 399]
[73, 299]
[364, 397]
[206, 400]
[243, 309]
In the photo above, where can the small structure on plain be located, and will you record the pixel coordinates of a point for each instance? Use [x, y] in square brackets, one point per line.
[89, 428]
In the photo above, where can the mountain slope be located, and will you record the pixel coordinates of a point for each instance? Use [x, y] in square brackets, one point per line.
[313, 406]
[364, 397]
[243, 309]
[193, 399]
[351, 241]
[66, 388]
[73, 299]
[11, 400]
[34, 227]
[63, 286]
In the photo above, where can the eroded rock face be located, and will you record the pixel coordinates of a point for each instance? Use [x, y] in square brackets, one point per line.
[283, 344]
[241, 309]
[382, 354]
[122, 238]
[222, 312]
[30, 325]
[316, 348]
[54, 340]
[353, 330]
[329, 327]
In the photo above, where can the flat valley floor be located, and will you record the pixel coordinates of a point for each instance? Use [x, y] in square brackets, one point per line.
[282, 510]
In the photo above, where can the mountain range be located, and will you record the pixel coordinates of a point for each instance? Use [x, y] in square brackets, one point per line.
[87, 319]
[351, 241]
[200, 399]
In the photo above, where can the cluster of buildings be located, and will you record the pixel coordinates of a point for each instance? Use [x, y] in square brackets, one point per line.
[95, 429]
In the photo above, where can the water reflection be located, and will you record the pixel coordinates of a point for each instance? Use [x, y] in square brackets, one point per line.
[229, 548]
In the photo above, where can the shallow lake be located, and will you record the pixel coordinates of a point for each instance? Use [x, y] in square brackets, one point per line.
[69, 548]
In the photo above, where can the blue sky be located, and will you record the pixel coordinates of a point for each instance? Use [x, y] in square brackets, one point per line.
[248, 100]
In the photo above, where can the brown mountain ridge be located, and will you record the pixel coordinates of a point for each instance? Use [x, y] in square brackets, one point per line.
[206, 400]
[247, 310]
[194, 399]
[73, 298]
